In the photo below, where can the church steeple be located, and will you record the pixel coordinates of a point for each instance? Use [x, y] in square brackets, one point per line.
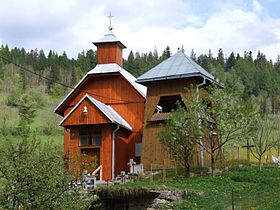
[109, 48]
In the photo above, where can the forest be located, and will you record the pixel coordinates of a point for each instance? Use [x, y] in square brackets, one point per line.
[52, 76]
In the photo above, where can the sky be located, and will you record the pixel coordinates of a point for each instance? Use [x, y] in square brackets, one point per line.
[143, 25]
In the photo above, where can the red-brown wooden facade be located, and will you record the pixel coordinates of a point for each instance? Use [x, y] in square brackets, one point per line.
[112, 89]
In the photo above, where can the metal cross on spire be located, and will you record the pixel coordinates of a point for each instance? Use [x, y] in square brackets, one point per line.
[110, 18]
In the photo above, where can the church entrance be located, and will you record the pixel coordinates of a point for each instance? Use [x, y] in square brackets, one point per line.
[90, 159]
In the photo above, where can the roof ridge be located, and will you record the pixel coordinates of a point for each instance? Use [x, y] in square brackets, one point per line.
[101, 69]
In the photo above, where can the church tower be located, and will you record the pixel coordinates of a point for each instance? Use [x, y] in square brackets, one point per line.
[109, 48]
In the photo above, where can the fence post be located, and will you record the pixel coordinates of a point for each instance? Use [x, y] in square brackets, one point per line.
[163, 171]
[151, 169]
[232, 199]
[238, 156]
[269, 152]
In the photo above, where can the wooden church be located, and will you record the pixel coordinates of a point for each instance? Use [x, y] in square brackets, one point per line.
[166, 84]
[108, 112]
[103, 115]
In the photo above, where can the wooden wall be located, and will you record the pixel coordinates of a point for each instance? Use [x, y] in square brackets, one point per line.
[109, 53]
[152, 150]
[94, 116]
[131, 109]
[113, 86]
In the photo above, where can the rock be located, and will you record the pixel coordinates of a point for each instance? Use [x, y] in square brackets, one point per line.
[165, 198]
[171, 195]
[200, 193]
[158, 203]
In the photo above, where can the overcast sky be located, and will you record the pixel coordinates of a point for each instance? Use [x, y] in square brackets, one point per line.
[72, 25]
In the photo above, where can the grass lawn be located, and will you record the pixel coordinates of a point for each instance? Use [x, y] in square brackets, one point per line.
[253, 189]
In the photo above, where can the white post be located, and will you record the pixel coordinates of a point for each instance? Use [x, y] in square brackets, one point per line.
[201, 149]
[113, 151]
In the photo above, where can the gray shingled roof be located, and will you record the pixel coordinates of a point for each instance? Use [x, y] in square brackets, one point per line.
[109, 37]
[177, 66]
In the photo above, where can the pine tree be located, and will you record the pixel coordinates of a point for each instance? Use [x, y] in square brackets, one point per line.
[73, 77]
[155, 54]
[129, 64]
[53, 76]
[166, 53]
[27, 112]
[23, 81]
[221, 58]
[5, 52]
[193, 55]
[204, 62]
[1, 69]
[92, 58]
[210, 54]
[277, 65]
[182, 49]
[63, 61]
[41, 64]
[230, 61]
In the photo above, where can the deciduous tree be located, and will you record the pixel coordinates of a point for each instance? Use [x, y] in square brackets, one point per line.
[32, 176]
[226, 118]
[263, 138]
[181, 132]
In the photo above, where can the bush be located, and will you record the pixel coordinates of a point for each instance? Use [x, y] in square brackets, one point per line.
[37, 96]
[33, 177]
[13, 98]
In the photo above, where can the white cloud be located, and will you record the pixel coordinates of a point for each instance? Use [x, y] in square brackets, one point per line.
[257, 7]
[233, 29]
[71, 25]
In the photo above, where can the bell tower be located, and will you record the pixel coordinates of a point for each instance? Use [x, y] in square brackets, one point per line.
[109, 48]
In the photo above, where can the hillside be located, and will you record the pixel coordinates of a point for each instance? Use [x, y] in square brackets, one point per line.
[47, 79]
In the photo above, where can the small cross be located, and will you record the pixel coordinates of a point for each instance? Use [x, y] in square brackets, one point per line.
[110, 18]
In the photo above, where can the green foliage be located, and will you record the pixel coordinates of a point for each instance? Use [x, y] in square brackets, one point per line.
[263, 138]
[250, 77]
[27, 108]
[233, 117]
[226, 119]
[27, 112]
[193, 55]
[166, 52]
[32, 176]
[220, 58]
[138, 64]
[53, 77]
[253, 189]
[180, 132]
[230, 61]
[1, 70]
[57, 91]
[13, 98]
[50, 127]
[37, 96]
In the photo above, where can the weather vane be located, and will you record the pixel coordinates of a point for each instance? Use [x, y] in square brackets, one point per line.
[110, 18]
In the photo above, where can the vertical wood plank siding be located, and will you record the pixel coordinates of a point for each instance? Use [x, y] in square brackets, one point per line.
[109, 53]
[129, 104]
[152, 150]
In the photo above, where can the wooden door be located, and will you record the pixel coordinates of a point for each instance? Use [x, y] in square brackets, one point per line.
[90, 159]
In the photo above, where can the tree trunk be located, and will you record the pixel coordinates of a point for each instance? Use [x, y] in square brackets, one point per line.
[260, 163]
[212, 163]
[187, 169]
